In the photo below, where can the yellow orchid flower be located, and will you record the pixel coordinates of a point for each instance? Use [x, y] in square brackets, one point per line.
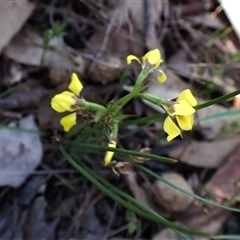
[67, 101]
[180, 111]
[150, 61]
[109, 155]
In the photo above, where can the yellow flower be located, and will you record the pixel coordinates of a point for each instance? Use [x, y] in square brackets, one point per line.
[109, 155]
[66, 101]
[180, 111]
[150, 61]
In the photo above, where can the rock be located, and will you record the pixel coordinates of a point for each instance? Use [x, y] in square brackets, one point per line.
[172, 199]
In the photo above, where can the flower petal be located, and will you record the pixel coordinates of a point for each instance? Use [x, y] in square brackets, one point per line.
[69, 121]
[171, 129]
[63, 102]
[153, 57]
[56, 106]
[109, 155]
[183, 108]
[187, 96]
[75, 85]
[162, 77]
[185, 122]
[130, 58]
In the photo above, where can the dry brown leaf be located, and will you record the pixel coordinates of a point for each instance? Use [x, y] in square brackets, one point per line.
[107, 72]
[109, 55]
[110, 44]
[20, 153]
[225, 183]
[205, 19]
[27, 48]
[208, 222]
[36, 226]
[205, 154]
[139, 193]
[48, 119]
[166, 234]
[13, 15]
[152, 18]
[142, 195]
[212, 129]
[222, 184]
[58, 76]
[180, 64]
[131, 12]
[28, 96]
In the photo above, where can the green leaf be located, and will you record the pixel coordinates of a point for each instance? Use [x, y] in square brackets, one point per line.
[133, 206]
[90, 147]
[131, 227]
[226, 237]
[47, 36]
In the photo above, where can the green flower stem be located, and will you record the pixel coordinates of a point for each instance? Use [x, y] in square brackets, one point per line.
[137, 89]
[124, 100]
[153, 99]
[114, 131]
[217, 100]
[98, 116]
[94, 106]
[162, 116]
[141, 77]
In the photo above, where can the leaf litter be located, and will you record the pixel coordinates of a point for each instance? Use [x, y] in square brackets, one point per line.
[95, 44]
[20, 153]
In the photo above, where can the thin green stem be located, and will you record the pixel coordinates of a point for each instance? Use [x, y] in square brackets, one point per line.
[134, 131]
[12, 89]
[226, 237]
[153, 217]
[128, 197]
[217, 100]
[80, 146]
[153, 99]
[182, 190]
[124, 100]
[161, 116]
[137, 89]
[93, 106]
[18, 129]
